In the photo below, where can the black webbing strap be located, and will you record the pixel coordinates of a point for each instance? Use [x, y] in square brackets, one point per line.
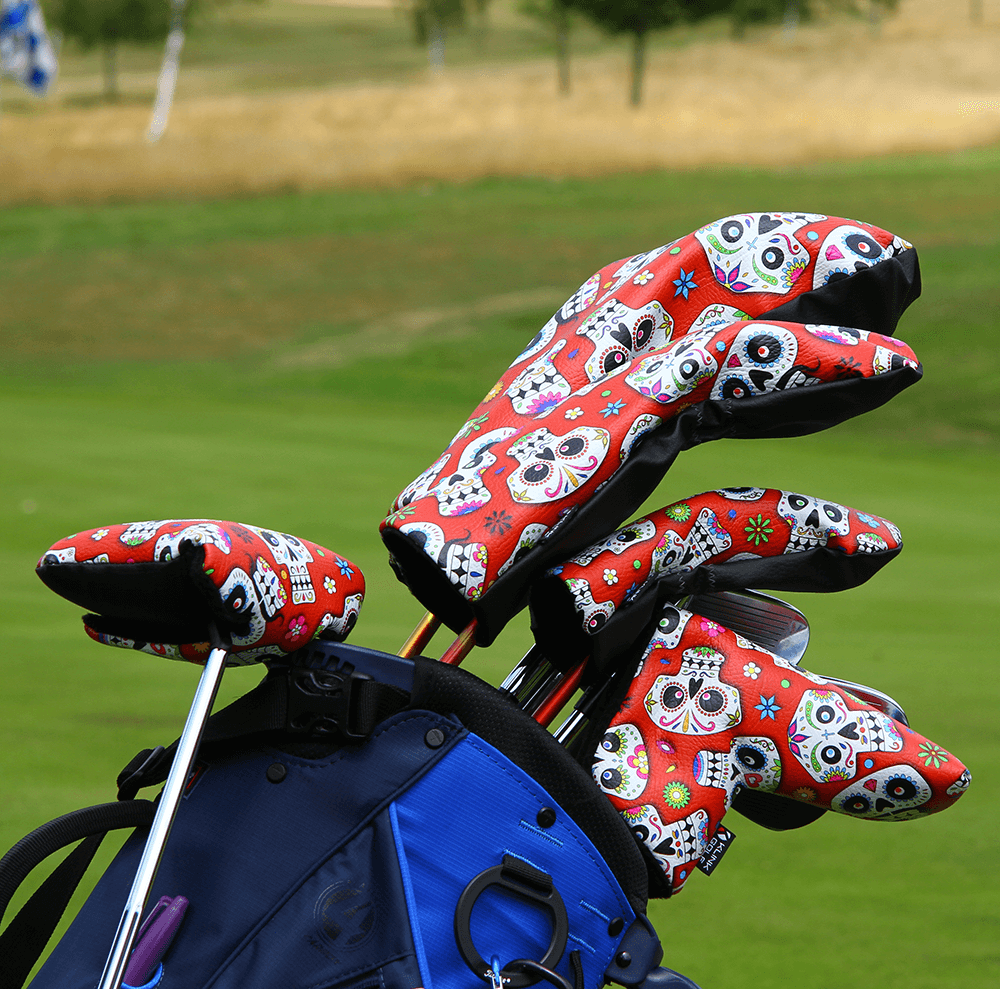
[301, 702]
[26, 936]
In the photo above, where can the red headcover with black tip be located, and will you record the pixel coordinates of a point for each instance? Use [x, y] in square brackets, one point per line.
[709, 712]
[600, 601]
[157, 586]
[510, 498]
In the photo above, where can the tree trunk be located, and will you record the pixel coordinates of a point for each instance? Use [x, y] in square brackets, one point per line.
[638, 65]
[562, 47]
[109, 64]
[435, 43]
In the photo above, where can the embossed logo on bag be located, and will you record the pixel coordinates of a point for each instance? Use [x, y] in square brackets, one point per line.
[345, 915]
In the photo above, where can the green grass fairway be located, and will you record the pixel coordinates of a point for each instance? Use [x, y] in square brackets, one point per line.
[295, 361]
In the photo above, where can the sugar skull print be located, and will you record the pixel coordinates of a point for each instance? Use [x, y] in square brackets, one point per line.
[752, 761]
[421, 486]
[621, 766]
[757, 252]
[812, 520]
[675, 844]
[760, 359]
[539, 386]
[695, 701]
[669, 374]
[848, 249]
[620, 333]
[892, 794]
[626, 537]
[595, 613]
[461, 490]
[643, 424]
[239, 598]
[551, 466]
[826, 737]
[169, 543]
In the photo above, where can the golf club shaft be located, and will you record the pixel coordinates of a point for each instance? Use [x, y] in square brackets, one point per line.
[559, 697]
[462, 646]
[173, 790]
[420, 636]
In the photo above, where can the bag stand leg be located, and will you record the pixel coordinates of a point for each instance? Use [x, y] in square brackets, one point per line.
[173, 790]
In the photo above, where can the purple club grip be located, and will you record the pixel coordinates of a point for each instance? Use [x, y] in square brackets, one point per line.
[155, 935]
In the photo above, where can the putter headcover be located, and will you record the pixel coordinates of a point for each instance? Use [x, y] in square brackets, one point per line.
[708, 711]
[601, 600]
[513, 497]
[805, 268]
[157, 586]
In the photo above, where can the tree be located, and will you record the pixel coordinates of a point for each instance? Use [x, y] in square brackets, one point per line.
[107, 23]
[431, 20]
[556, 15]
[639, 18]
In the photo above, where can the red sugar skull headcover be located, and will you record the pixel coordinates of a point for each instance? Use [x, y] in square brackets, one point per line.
[709, 711]
[157, 586]
[756, 325]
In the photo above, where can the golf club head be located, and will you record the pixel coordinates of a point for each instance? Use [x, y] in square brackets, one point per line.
[770, 622]
[875, 698]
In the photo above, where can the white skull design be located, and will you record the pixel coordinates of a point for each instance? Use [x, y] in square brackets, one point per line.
[848, 249]
[668, 374]
[812, 521]
[239, 597]
[462, 490]
[539, 341]
[741, 494]
[595, 613]
[892, 794]
[674, 844]
[552, 467]
[620, 333]
[642, 424]
[539, 386]
[826, 737]
[580, 299]
[201, 533]
[631, 266]
[756, 252]
[960, 785]
[338, 627]
[67, 555]
[760, 359]
[715, 316]
[706, 539]
[270, 591]
[695, 701]
[626, 537]
[529, 537]
[871, 542]
[668, 632]
[846, 335]
[140, 532]
[284, 548]
[421, 486]
[752, 761]
[621, 766]
[886, 360]
[464, 564]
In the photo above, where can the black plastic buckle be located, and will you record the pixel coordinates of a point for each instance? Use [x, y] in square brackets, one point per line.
[323, 702]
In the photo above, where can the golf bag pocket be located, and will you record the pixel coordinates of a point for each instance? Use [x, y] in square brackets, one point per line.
[454, 840]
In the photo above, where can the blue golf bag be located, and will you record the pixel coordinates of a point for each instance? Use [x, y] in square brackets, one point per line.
[360, 820]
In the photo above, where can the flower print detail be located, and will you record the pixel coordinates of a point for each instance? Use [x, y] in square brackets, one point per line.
[712, 628]
[573, 413]
[639, 761]
[345, 567]
[643, 277]
[471, 425]
[869, 519]
[330, 584]
[400, 515]
[610, 576]
[543, 402]
[612, 408]
[932, 755]
[806, 793]
[473, 505]
[676, 795]
[751, 671]
[98, 534]
[295, 628]
[758, 529]
[498, 522]
[767, 707]
[685, 283]
[680, 512]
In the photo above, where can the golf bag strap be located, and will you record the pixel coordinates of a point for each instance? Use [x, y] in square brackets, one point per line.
[26, 936]
[319, 704]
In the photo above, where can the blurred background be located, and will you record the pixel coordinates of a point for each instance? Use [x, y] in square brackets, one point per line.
[282, 309]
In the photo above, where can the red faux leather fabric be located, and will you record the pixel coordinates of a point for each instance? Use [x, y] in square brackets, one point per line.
[708, 711]
[156, 585]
